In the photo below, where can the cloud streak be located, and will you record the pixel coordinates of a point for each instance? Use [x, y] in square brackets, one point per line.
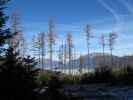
[114, 13]
[127, 5]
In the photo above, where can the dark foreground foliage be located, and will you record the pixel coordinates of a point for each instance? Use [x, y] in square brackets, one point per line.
[17, 77]
[109, 76]
[5, 33]
[54, 90]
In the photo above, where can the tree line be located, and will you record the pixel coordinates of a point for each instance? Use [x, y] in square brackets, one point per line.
[43, 46]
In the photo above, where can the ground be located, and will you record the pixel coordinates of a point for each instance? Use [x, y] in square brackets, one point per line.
[99, 92]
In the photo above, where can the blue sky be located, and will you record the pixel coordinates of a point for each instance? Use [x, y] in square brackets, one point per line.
[104, 16]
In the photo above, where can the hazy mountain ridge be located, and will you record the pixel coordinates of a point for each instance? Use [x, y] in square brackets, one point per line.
[96, 59]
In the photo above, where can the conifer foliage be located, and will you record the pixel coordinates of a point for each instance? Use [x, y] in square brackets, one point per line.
[17, 75]
[4, 32]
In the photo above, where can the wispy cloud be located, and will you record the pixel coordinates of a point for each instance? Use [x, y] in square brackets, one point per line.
[127, 5]
[120, 23]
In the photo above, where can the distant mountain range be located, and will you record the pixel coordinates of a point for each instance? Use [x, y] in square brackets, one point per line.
[95, 60]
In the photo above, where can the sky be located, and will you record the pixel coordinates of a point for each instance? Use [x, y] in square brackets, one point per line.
[104, 16]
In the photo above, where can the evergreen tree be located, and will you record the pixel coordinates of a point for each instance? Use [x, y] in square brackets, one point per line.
[17, 74]
[4, 32]
[54, 89]
[18, 77]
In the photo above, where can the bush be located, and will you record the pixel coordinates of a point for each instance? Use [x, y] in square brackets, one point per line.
[44, 78]
[109, 76]
[69, 79]
[103, 74]
[125, 76]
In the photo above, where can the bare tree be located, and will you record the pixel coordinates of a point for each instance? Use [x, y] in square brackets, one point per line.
[17, 42]
[88, 37]
[69, 48]
[102, 42]
[15, 30]
[33, 46]
[65, 55]
[36, 48]
[42, 47]
[60, 56]
[39, 48]
[81, 65]
[22, 45]
[112, 39]
[74, 58]
[51, 41]
[60, 59]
